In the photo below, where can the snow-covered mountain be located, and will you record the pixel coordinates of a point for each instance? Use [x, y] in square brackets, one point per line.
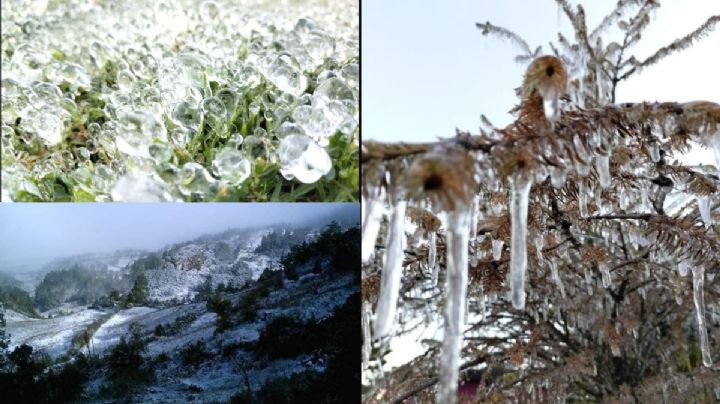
[177, 271]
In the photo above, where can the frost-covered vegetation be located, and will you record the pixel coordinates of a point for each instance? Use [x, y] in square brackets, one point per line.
[179, 100]
[232, 341]
[566, 257]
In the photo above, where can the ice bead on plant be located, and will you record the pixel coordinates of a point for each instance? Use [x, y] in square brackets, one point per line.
[186, 114]
[303, 159]
[231, 166]
[48, 128]
[195, 179]
[139, 186]
[285, 73]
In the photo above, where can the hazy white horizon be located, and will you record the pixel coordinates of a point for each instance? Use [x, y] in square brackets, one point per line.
[33, 233]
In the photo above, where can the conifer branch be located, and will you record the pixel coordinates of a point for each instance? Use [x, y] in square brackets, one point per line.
[677, 45]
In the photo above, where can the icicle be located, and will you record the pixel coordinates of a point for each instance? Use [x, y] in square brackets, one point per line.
[432, 257]
[582, 198]
[698, 274]
[519, 198]
[588, 281]
[606, 279]
[367, 347]
[370, 227]
[704, 207]
[556, 278]
[654, 151]
[683, 268]
[644, 200]
[602, 164]
[557, 177]
[538, 248]
[392, 272]
[456, 281]
[474, 219]
[497, 246]
[551, 107]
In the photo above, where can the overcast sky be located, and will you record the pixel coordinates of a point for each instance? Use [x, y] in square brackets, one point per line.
[32, 232]
[426, 68]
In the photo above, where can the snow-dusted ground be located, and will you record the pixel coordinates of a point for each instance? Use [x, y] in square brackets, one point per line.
[220, 376]
[118, 325]
[53, 335]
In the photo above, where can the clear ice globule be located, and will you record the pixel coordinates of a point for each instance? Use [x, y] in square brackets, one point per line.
[698, 273]
[392, 273]
[456, 281]
[519, 198]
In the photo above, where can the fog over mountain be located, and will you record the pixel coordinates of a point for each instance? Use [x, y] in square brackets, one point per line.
[33, 234]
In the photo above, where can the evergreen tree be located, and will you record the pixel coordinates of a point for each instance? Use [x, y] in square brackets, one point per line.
[140, 290]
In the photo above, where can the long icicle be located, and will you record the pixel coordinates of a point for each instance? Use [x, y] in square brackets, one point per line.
[456, 280]
[370, 227]
[519, 197]
[432, 257]
[392, 272]
[698, 275]
[367, 347]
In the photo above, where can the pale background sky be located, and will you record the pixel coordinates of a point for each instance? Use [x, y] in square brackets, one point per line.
[426, 68]
[32, 232]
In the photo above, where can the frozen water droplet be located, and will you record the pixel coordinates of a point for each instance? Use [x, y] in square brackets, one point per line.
[186, 114]
[230, 99]
[48, 128]
[232, 166]
[334, 89]
[194, 179]
[213, 107]
[303, 159]
[209, 10]
[289, 128]
[125, 80]
[285, 73]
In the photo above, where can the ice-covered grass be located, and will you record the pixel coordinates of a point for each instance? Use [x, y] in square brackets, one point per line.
[180, 101]
[54, 335]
